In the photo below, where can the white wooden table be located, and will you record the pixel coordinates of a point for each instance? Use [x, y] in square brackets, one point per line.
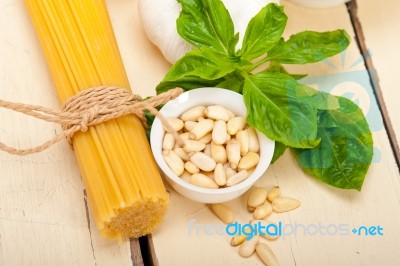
[43, 212]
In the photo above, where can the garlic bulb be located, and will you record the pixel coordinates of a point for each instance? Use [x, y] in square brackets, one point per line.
[159, 22]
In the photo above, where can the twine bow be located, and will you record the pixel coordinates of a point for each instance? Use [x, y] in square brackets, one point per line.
[88, 108]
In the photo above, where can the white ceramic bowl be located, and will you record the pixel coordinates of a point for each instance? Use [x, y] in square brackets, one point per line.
[207, 96]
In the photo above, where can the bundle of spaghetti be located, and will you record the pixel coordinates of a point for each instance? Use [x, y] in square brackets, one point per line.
[124, 188]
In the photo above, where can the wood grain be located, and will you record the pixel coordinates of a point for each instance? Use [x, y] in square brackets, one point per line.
[384, 93]
[184, 228]
[43, 214]
[43, 217]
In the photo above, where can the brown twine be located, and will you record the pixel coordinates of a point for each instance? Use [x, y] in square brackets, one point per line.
[91, 107]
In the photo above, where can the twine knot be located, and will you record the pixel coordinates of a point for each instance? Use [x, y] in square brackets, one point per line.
[88, 108]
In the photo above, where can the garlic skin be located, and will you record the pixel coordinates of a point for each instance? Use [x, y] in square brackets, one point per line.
[159, 22]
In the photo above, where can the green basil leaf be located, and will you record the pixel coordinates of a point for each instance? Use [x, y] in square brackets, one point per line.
[263, 31]
[277, 67]
[280, 149]
[319, 99]
[343, 157]
[274, 109]
[233, 81]
[187, 83]
[309, 46]
[207, 23]
[205, 64]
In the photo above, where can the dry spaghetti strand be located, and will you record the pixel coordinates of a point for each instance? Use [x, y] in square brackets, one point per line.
[124, 187]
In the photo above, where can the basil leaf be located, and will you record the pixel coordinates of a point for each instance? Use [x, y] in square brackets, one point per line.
[186, 83]
[233, 81]
[274, 109]
[280, 149]
[263, 31]
[318, 99]
[277, 67]
[343, 157]
[207, 23]
[204, 63]
[309, 46]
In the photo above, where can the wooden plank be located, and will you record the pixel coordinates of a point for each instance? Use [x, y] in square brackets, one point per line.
[384, 88]
[182, 239]
[43, 216]
[136, 253]
[26, 184]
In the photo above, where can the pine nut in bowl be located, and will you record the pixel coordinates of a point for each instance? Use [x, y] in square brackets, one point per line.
[194, 170]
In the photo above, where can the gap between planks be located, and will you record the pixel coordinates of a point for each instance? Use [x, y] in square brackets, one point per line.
[136, 253]
[136, 250]
[143, 252]
[374, 79]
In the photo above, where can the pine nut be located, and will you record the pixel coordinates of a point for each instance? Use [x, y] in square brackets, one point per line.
[218, 153]
[189, 125]
[285, 204]
[201, 129]
[266, 255]
[257, 197]
[181, 153]
[248, 247]
[217, 112]
[262, 211]
[233, 152]
[220, 175]
[193, 114]
[254, 145]
[230, 172]
[219, 132]
[235, 124]
[203, 161]
[239, 239]
[202, 181]
[243, 138]
[168, 142]
[273, 193]
[223, 212]
[266, 223]
[175, 123]
[207, 150]
[206, 139]
[174, 162]
[193, 145]
[248, 161]
[184, 136]
[210, 174]
[237, 178]
[191, 168]
[186, 176]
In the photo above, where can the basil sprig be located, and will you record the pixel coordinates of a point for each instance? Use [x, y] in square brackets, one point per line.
[329, 135]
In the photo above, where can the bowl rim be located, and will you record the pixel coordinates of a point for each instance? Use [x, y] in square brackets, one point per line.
[157, 151]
